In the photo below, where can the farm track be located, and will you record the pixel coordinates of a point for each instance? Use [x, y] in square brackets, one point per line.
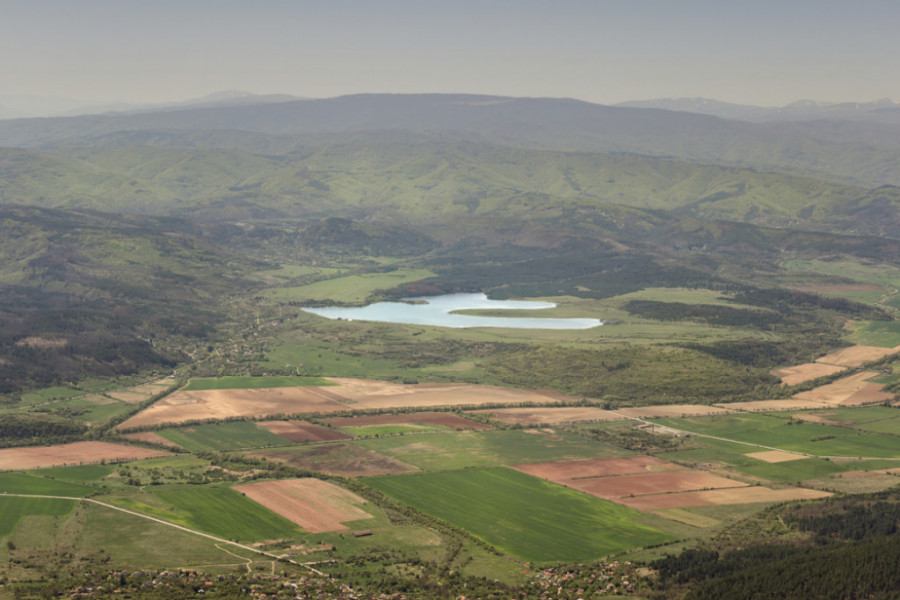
[181, 527]
[722, 439]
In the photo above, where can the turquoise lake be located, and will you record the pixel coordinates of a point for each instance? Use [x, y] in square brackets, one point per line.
[441, 311]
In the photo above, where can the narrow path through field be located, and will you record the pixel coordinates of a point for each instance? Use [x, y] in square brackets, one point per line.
[181, 527]
[722, 439]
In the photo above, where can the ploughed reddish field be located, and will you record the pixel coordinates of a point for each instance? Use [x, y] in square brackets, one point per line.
[650, 484]
[315, 505]
[77, 453]
[349, 394]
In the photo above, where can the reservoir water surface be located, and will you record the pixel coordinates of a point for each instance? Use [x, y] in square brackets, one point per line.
[441, 311]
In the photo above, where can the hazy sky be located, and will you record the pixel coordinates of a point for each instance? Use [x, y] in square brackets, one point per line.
[753, 51]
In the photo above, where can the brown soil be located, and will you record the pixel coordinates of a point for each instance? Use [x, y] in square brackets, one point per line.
[339, 459]
[315, 505]
[301, 432]
[651, 483]
[744, 495]
[349, 394]
[805, 372]
[777, 405]
[671, 410]
[849, 391]
[550, 415]
[19, 459]
[425, 418]
[563, 471]
[776, 456]
[855, 356]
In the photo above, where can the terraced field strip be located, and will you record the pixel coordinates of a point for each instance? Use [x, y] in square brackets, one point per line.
[522, 515]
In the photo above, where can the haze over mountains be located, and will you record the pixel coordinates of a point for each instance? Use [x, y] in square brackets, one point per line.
[859, 152]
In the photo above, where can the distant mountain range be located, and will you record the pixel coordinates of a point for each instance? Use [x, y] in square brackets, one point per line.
[850, 151]
[880, 111]
[21, 106]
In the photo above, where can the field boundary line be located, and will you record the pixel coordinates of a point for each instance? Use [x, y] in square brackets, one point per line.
[176, 526]
[722, 439]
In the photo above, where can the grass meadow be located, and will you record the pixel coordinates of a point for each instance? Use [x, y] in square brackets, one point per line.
[12, 509]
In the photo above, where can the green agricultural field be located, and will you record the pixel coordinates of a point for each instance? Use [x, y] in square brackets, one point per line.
[12, 509]
[28, 483]
[222, 436]
[522, 515]
[80, 474]
[874, 419]
[460, 450]
[250, 383]
[786, 434]
[350, 288]
[885, 334]
[224, 512]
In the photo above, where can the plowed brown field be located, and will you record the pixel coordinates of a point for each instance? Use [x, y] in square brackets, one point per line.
[349, 394]
[301, 432]
[671, 410]
[777, 405]
[315, 505]
[643, 484]
[563, 471]
[549, 415]
[856, 356]
[776, 456]
[849, 391]
[78, 453]
[805, 372]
